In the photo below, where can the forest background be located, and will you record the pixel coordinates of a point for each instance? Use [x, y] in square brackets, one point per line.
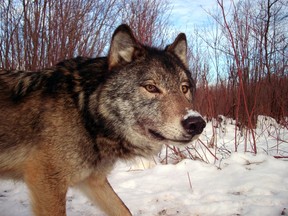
[239, 61]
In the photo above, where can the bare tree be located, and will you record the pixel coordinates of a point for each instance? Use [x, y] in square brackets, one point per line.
[251, 49]
[148, 19]
[39, 33]
[36, 34]
[253, 45]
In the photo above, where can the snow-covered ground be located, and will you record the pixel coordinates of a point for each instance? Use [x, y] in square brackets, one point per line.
[236, 183]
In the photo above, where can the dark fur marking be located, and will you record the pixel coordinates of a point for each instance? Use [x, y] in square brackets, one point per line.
[54, 82]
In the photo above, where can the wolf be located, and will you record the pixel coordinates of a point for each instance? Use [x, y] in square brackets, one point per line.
[67, 125]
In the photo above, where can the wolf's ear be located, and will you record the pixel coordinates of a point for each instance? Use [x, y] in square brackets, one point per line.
[179, 48]
[124, 47]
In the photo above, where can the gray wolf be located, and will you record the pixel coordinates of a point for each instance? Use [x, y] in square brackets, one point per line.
[67, 125]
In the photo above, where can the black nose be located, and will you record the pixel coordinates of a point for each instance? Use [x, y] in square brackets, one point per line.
[194, 125]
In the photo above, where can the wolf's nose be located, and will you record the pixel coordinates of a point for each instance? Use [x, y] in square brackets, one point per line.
[194, 125]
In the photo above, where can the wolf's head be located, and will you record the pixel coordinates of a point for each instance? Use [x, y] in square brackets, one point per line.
[148, 96]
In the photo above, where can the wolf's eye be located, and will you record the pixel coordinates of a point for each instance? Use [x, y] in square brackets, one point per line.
[185, 88]
[151, 88]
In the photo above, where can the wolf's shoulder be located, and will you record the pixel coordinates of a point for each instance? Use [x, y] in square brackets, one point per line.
[80, 63]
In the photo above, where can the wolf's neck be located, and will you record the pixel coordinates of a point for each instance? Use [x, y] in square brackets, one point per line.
[120, 149]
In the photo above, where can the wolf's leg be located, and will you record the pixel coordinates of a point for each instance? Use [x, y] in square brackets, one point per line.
[48, 192]
[98, 189]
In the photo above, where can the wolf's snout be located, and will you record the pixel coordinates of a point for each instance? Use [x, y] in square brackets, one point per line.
[194, 125]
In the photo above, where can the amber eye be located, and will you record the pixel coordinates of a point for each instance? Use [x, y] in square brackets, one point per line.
[151, 88]
[185, 88]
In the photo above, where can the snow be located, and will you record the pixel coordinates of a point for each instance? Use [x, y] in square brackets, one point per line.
[237, 183]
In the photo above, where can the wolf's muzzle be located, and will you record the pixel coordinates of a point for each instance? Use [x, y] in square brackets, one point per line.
[194, 125]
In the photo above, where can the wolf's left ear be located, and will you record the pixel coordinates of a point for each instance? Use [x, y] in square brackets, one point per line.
[124, 47]
[179, 48]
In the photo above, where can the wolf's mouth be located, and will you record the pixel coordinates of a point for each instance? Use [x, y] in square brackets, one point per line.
[158, 136]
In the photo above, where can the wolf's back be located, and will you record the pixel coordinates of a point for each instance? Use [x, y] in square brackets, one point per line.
[18, 83]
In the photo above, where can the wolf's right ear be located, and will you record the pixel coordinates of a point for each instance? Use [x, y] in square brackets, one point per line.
[124, 47]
